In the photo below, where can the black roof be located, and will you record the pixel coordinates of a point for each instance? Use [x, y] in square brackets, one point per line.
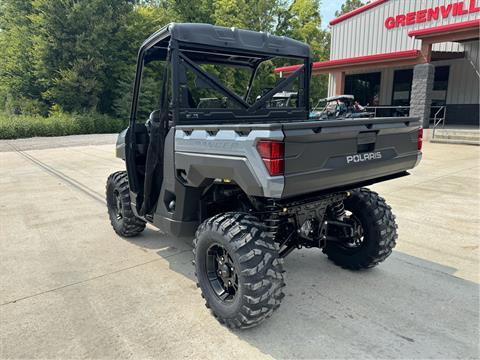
[230, 39]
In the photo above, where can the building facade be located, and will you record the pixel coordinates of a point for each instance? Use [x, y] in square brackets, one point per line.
[375, 49]
[419, 54]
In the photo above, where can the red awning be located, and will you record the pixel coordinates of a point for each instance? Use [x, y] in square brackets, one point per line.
[345, 64]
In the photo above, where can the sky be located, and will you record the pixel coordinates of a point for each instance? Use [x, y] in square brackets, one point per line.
[327, 10]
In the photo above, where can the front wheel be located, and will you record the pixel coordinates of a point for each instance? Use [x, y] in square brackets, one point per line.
[374, 228]
[122, 218]
[238, 269]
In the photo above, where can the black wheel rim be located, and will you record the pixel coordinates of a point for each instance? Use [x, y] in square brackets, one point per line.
[221, 273]
[117, 205]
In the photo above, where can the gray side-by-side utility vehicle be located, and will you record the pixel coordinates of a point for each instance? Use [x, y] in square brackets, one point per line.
[250, 181]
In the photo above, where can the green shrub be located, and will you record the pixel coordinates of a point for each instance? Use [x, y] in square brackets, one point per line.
[57, 124]
[21, 105]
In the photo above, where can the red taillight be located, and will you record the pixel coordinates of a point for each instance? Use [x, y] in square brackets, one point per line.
[271, 149]
[420, 139]
[275, 167]
[272, 153]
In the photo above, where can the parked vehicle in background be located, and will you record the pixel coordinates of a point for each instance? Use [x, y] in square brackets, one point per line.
[284, 99]
[252, 181]
[341, 107]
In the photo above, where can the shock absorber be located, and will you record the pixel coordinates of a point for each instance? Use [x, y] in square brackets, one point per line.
[272, 220]
[338, 210]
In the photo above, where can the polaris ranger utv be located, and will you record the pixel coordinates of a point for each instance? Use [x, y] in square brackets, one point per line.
[341, 107]
[251, 182]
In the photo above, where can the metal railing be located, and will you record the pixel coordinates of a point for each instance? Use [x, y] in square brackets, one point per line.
[439, 120]
[397, 110]
[439, 113]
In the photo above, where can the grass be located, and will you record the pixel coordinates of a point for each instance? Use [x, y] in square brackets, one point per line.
[59, 124]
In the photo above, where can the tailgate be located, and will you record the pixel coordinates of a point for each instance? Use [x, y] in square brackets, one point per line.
[325, 154]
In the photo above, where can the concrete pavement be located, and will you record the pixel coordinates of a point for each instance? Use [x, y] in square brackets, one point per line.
[71, 288]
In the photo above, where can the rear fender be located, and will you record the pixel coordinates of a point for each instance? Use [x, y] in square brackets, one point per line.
[204, 154]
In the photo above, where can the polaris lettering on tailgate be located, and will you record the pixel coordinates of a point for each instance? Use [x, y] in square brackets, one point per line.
[359, 159]
[364, 157]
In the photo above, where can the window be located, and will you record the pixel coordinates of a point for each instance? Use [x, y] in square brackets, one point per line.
[198, 93]
[265, 80]
[237, 86]
[441, 78]
[440, 85]
[365, 88]
[402, 87]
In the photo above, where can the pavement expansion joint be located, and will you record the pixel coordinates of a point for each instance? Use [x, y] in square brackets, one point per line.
[92, 278]
[70, 181]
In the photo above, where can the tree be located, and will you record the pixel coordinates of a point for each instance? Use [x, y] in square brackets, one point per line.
[302, 21]
[348, 6]
[256, 15]
[81, 55]
[198, 11]
[78, 46]
[138, 25]
[18, 87]
[259, 15]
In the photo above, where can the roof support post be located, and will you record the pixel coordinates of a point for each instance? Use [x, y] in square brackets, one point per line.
[421, 96]
[426, 51]
[339, 83]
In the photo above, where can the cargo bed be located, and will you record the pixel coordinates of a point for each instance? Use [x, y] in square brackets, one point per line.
[319, 155]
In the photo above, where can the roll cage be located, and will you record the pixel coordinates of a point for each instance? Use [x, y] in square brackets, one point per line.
[186, 47]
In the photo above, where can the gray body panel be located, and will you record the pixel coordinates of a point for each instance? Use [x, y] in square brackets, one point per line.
[206, 153]
[184, 219]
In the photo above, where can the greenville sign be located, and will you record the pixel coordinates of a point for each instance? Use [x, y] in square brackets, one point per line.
[431, 14]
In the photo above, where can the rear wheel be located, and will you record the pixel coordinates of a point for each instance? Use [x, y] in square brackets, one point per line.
[238, 269]
[122, 218]
[374, 232]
